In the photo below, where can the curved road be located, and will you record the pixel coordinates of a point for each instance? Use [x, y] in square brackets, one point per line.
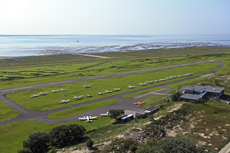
[125, 103]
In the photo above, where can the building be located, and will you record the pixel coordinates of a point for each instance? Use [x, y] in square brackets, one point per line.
[194, 93]
[146, 112]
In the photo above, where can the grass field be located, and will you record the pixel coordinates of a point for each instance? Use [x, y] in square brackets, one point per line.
[12, 135]
[7, 112]
[81, 109]
[51, 100]
[141, 93]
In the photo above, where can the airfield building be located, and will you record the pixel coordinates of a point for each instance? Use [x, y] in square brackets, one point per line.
[194, 93]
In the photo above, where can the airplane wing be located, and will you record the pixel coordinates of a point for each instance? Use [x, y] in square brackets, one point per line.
[93, 117]
[81, 118]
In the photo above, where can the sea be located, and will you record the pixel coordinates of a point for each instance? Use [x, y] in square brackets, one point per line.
[36, 45]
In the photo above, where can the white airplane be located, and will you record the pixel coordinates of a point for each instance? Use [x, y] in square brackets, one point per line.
[100, 93]
[150, 82]
[87, 118]
[42, 93]
[64, 101]
[79, 97]
[143, 84]
[105, 114]
[33, 95]
[156, 80]
[186, 74]
[162, 79]
[172, 77]
[63, 89]
[107, 91]
[168, 78]
[55, 91]
[180, 76]
[130, 87]
[190, 73]
[87, 86]
[116, 89]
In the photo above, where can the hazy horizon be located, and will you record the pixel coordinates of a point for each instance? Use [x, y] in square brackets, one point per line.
[103, 17]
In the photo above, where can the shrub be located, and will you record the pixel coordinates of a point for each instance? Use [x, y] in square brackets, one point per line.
[89, 143]
[115, 113]
[24, 150]
[133, 148]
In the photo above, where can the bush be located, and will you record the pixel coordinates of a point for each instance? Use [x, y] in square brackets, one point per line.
[133, 148]
[89, 143]
[65, 135]
[37, 142]
[24, 150]
[115, 113]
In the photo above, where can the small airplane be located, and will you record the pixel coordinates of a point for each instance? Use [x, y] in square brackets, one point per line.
[33, 95]
[131, 87]
[156, 80]
[162, 79]
[105, 114]
[190, 73]
[42, 93]
[64, 101]
[168, 78]
[79, 97]
[186, 74]
[143, 84]
[116, 89]
[87, 118]
[107, 91]
[138, 103]
[100, 93]
[150, 82]
[172, 77]
[88, 95]
[55, 91]
[87, 86]
[63, 89]
[180, 76]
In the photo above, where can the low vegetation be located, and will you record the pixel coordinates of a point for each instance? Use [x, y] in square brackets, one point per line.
[7, 112]
[141, 93]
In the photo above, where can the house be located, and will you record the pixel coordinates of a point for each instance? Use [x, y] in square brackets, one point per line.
[144, 113]
[194, 93]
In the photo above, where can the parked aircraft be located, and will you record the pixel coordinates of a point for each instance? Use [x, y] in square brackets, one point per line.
[172, 77]
[100, 93]
[33, 95]
[130, 87]
[79, 97]
[42, 93]
[116, 89]
[87, 86]
[180, 76]
[105, 114]
[186, 74]
[139, 103]
[190, 73]
[162, 79]
[55, 91]
[107, 91]
[168, 78]
[63, 89]
[64, 101]
[143, 84]
[87, 118]
[88, 95]
[150, 82]
[156, 80]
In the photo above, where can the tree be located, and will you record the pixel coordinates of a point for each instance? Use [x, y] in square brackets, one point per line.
[64, 135]
[133, 148]
[175, 96]
[89, 143]
[37, 142]
[115, 113]
[169, 144]
[202, 101]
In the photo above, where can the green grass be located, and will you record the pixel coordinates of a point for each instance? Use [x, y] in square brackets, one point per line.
[152, 101]
[12, 135]
[81, 109]
[51, 100]
[7, 112]
[141, 93]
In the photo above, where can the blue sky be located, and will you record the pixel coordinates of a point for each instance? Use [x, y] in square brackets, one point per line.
[152, 17]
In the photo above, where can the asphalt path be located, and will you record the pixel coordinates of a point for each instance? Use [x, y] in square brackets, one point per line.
[125, 103]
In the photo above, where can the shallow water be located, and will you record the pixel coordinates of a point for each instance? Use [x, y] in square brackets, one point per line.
[33, 45]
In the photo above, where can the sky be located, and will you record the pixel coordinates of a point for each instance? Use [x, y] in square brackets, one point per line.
[114, 17]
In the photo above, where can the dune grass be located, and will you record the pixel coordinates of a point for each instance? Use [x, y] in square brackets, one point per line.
[7, 112]
[51, 100]
[81, 109]
[12, 135]
[141, 93]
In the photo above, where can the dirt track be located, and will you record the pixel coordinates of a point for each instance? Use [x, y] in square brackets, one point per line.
[125, 103]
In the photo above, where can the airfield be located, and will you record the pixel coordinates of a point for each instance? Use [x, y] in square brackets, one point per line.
[124, 103]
